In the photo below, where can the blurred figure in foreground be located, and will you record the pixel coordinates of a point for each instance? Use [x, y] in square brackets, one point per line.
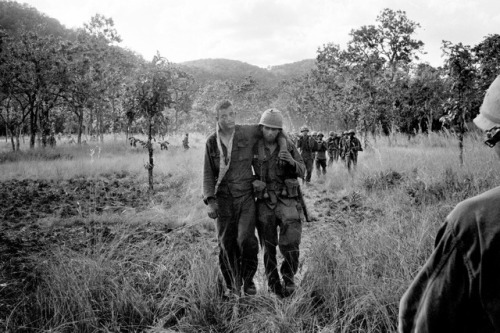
[458, 289]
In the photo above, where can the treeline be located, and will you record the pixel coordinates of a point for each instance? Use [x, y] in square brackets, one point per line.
[376, 84]
[57, 80]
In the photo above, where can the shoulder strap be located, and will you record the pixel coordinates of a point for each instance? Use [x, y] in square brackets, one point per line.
[261, 153]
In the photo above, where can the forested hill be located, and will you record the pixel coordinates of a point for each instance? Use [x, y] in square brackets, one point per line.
[16, 17]
[205, 70]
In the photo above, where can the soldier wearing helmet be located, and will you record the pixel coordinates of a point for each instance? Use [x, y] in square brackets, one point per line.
[352, 146]
[307, 146]
[457, 290]
[228, 194]
[185, 142]
[333, 144]
[321, 155]
[278, 205]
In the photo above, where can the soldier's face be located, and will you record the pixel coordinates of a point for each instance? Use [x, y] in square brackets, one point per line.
[226, 118]
[269, 133]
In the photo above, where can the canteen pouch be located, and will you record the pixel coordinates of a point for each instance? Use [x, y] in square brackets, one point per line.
[292, 187]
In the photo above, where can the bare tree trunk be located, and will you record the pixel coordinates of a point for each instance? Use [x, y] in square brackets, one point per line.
[101, 127]
[18, 142]
[150, 151]
[33, 127]
[12, 139]
[80, 127]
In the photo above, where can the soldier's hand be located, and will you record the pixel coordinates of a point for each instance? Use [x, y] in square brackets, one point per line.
[286, 157]
[213, 209]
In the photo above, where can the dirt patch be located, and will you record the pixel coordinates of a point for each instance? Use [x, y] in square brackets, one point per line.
[30, 200]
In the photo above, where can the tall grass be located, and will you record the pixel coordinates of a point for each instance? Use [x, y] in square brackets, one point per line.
[369, 240]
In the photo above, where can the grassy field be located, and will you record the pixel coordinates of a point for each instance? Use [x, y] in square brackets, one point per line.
[116, 259]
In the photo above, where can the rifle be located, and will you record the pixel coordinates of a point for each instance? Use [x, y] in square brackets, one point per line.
[304, 206]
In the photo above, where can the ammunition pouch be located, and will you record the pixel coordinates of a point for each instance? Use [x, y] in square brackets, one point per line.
[259, 188]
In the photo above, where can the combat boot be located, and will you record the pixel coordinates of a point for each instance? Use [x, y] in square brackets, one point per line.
[249, 289]
[276, 289]
[289, 287]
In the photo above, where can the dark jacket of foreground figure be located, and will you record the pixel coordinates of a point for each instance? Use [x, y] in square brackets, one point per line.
[458, 289]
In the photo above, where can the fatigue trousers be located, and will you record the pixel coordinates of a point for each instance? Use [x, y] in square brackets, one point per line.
[284, 216]
[351, 159]
[309, 166]
[238, 245]
[320, 164]
[331, 157]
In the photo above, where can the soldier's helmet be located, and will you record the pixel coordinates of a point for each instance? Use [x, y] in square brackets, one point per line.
[331, 133]
[489, 113]
[314, 133]
[304, 129]
[272, 118]
[320, 134]
[351, 132]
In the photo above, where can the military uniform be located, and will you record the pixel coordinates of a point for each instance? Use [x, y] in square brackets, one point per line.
[279, 206]
[458, 288]
[351, 147]
[333, 148]
[185, 142]
[321, 158]
[307, 146]
[342, 146]
[230, 183]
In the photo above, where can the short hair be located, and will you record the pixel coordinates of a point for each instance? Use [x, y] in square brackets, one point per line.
[222, 106]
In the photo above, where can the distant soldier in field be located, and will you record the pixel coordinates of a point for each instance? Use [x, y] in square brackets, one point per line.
[314, 135]
[321, 155]
[307, 146]
[164, 145]
[342, 146]
[278, 204]
[458, 289]
[352, 147]
[185, 142]
[333, 143]
[228, 194]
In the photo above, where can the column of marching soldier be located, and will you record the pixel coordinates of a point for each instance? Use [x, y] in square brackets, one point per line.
[314, 148]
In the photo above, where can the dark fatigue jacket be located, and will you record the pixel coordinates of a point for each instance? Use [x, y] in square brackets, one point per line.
[322, 147]
[307, 146]
[352, 145]
[458, 289]
[333, 143]
[238, 179]
[274, 174]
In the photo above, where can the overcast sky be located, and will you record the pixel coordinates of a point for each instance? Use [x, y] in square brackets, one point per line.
[271, 32]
